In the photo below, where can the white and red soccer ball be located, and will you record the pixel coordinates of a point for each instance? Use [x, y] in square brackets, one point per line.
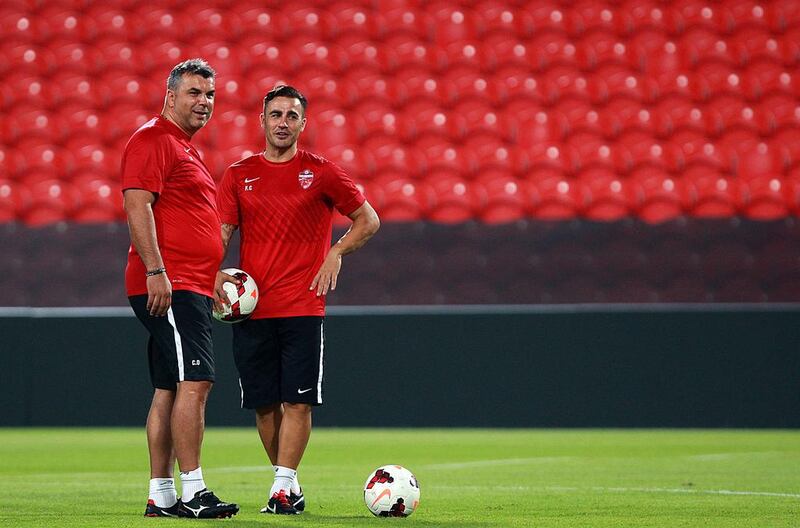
[391, 491]
[243, 298]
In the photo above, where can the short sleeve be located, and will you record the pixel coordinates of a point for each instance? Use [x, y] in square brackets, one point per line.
[341, 190]
[228, 199]
[146, 162]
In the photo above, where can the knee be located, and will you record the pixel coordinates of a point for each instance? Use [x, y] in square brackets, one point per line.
[268, 411]
[198, 390]
[297, 408]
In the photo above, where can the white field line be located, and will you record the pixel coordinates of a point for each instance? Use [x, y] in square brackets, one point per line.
[498, 462]
[678, 490]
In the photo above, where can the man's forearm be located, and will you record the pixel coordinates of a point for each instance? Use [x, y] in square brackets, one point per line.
[142, 228]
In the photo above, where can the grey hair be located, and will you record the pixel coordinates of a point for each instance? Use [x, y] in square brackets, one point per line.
[189, 67]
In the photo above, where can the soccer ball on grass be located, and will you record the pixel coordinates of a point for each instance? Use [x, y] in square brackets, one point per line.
[391, 491]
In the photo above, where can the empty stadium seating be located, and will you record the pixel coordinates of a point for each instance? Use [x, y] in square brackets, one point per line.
[642, 108]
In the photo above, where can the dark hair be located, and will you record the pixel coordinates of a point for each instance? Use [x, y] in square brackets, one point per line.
[189, 67]
[284, 90]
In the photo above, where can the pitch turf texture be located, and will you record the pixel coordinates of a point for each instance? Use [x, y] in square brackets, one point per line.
[539, 478]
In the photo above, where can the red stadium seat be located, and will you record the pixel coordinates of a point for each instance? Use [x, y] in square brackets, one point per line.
[668, 83]
[789, 43]
[782, 14]
[414, 84]
[687, 148]
[502, 49]
[405, 19]
[100, 201]
[765, 198]
[684, 14]
[548, 48]
[789, 139]
[456, 200]
[764, 78]
[712, 194]
[713, 79]
[606, 195]
[354, 19]
[734, 142]
[635, 149]
[14, 200]
[75, 55]
[776, 112]
[321, 85]
[564, 81]
[555, 199]
[441, 154]
[25, 121]
[393, 158]
[368, 84]
[358, 51]
[701, 45]
[464, 84]
[727, 112]
[612, 81]
[653, 52]
[29, 89]
[93, 157]
[477, 117]
[544, 15]
[734, 14]
[402, 200]
[590, 151]
[26, 58]
[505, 199]
[467, 54]
[233, 127]
[374, 117]
[588, 15]
[306, 20]
[675, 113]
[70, 86]
[358, 163]
[498, 16]
[632, 15]
[406, 50]
[574, 115]
[105, 20]
[555, 156]
[511, 83]
[423, 118]
[753, 43]
[453, 22]
[330, 128]
[532, 122]
[51, 201]
[600, 47]
[491, 154]
[621, 115]
[657, 196]
[40, 154]
[759, 159]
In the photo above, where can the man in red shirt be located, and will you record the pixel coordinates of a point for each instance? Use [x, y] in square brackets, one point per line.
[175, 252]
[282, 201]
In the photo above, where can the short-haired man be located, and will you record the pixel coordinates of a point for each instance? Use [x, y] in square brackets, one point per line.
[282, 202]
[176, 250]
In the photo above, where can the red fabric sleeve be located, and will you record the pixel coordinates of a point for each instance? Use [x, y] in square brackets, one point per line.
[228, 199]
[146, 162]
[341, 190]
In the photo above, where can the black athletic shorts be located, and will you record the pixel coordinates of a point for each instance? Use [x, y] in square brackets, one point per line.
[180, 346]
[279, 360]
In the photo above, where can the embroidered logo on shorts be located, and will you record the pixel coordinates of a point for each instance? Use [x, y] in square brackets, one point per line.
[306, 178]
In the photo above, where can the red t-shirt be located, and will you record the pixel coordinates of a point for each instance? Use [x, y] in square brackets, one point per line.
[285, 215]
[159, 158]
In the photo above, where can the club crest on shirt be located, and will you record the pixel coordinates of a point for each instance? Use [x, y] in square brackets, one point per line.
[306, 178]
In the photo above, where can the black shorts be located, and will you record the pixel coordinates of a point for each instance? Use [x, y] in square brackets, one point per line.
[180, 346]
[279, 360]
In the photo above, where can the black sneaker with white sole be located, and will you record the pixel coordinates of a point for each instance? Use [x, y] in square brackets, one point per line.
[298, 500]
[206, 505]
[157, 511]
[279, 504]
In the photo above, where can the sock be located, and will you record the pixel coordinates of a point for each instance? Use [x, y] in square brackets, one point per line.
[191, 483]
[296, 489]
[162, 492]
[283, 480]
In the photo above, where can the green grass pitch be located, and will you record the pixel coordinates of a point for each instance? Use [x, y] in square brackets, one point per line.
[483, 478]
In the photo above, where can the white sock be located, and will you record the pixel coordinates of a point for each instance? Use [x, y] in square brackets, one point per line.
[191, 483]
[162, 492]
[283, 480]
[296, 489]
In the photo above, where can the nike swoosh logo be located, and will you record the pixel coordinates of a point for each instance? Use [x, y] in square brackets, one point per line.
[188, 150]
[303, 391]
[384, 493]
[248, 180]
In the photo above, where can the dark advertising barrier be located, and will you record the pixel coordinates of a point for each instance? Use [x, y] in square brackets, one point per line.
[566, 366]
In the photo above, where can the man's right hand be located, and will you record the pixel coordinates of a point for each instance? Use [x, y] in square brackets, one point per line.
[159, 295]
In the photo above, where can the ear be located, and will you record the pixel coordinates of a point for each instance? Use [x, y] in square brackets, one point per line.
[262, 118]
[303, 125]
[170, 98]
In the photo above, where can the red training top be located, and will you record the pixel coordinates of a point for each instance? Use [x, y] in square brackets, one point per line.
[285, 215]
[159, 158]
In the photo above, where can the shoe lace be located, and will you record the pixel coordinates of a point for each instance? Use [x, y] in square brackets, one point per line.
[208, 497]
[281, 496]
